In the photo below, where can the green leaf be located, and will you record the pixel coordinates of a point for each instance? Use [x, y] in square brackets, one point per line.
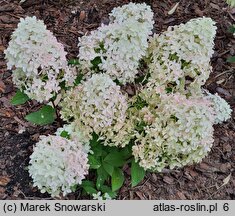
[19, 98]
[94, 163]
[102, 176]
[108, 168]
[87, 183]
[90, 190]
[115, 159]
[65, 134]
[126, 152]
[95, 140]
[139, 103]
[231, 59]
[78, 79]
[95, 63]
[232, 29]
[73, 62]
[137, 173]
[46, 115]
[101, 172]
[117, 179]
[108, 190]
[74, 187]
[99, 181]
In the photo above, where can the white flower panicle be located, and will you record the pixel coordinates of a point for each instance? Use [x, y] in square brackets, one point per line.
[180, 134]
[57, 164]
[221, 107]
[97, 105]
[139, 12]
[117, 48]
[38, 59]
[180, 56]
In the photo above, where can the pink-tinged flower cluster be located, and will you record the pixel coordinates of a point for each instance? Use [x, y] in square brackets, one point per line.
[180, 57]
[57, 164]
[117, 48]
[221, 108]
[176, 131]
[38, 60]
[98, 105]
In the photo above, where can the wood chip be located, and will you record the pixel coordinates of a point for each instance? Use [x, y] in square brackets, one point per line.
[171, 11]
[82, 16]
[168, 180]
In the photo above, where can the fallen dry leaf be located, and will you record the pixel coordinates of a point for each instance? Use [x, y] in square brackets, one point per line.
[171, 11]
[2, 85]
[226, 180]
[4, 180]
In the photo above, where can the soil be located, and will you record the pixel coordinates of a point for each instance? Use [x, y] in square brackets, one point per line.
[214, 178]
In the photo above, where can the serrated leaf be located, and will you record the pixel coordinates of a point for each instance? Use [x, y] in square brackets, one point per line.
[94, 163]
[46, 115]
[108, 168]
[231, 59]
[117, 179]
[19, 98]
[115, 159]
[137, 173]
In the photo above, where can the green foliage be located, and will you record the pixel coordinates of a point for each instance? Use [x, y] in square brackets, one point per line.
[117, 179]
[139, 103]
[46, 115]
[231, 59]
[137, 173]
[74, 62]
[19, 98]
[106, 165]
[232, 29]
[78, 79]
[65, 134]
[95, 63]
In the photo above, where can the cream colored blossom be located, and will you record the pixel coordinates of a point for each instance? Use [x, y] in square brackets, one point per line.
[118, 47]
[57, 164]
[181, 134]
[38, 60]
[98, 105]
[180, 57]
[221, 107]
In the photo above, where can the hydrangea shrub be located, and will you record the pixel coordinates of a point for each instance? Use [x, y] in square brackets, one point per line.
[168, 123]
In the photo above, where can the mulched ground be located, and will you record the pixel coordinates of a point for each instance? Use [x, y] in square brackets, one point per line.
[214, 178]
